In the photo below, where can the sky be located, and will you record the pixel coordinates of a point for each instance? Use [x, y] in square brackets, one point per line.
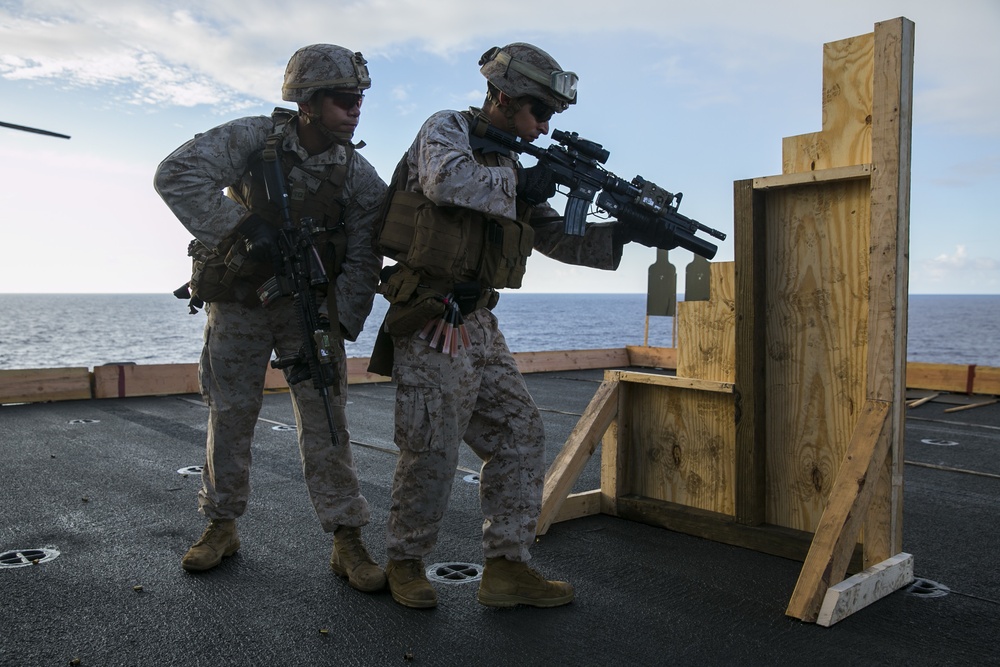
[690, 97]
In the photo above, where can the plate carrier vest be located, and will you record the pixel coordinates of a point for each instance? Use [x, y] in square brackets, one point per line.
[315, 199]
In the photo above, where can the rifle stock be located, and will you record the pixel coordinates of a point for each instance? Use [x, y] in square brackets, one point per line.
[578, 164]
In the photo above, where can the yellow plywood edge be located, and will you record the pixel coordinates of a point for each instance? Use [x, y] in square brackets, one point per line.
[44, 384]
[121, 381]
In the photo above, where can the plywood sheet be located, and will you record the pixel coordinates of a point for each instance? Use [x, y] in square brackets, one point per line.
[680, 447]
[706, 330]
[845, 139]
[816, 333]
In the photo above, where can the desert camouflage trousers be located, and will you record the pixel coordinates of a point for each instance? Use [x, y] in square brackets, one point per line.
[480, 397]
[234, 361]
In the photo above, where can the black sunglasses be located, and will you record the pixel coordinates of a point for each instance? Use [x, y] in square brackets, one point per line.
[541, 111]
[346, 101]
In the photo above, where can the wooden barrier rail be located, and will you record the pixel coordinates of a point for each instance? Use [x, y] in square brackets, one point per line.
[35, 385]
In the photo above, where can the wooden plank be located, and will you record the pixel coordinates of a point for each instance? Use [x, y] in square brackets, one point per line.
[579, 447]
[970, 406]
[920, 401]
[986, 381]
[652, 357]
[44, 384]
[357, 372]
[750, 273]
[845, 138]
[848, 173]
[126, 380]
[563, 360]
[612, 456]
[889, 269]
[579, 505]
[864, 588]
[681, 447]
[816, 341]
[838, 529]
[706, 330]
[672, 381]
[955, 378]
[774, 540]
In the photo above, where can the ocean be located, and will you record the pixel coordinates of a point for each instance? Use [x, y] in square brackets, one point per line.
[67, 330]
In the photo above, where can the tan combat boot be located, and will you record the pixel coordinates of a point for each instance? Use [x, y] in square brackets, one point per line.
[350, 559]
[506, 583]
[218, 541]
[408, 584]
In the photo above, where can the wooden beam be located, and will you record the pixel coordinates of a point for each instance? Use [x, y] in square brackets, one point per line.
[579, 447]
[751, 353]
[864, 588]
[579, 505]
[766, 538]
[889, 268]
[848, 173]
[563, 360]
[123, 381]
[837, 533]
[613, 449]
[673, 381]
[652, 357]
[970, 406]
[44, 384]
[920, 401]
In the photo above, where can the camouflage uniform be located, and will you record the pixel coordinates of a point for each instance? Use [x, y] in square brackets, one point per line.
[239, 338]
[479, 396]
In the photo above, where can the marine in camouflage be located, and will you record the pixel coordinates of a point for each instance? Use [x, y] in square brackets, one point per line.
[239, 339]
[477, 396]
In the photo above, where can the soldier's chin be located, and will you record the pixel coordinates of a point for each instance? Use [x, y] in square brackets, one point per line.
[339, 137]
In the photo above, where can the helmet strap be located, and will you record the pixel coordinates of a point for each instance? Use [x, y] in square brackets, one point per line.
[509, 109]
[311, 118]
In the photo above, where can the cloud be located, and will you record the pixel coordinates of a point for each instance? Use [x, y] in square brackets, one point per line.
[959, 268]
[232, 52]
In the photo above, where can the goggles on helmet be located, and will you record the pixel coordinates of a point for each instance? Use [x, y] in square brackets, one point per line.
[562, 84]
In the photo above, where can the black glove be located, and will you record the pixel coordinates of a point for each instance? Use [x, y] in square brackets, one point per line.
[535, 184]
[635, 224]
[260, 237]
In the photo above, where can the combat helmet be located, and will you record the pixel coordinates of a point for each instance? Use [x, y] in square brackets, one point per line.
[520, 69]
[323, 67]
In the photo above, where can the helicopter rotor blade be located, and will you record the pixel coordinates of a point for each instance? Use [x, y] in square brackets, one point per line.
[33, 129]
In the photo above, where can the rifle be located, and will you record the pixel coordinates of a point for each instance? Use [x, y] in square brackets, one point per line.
[297, 270]
[577, 163]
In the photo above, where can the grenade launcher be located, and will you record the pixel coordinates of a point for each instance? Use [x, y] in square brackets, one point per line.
[578, 164]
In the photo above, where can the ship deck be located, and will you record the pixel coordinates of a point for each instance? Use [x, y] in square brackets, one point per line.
[101, 493]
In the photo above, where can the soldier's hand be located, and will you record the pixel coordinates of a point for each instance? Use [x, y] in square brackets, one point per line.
[642, 227]
[261, 238]
[535, 184]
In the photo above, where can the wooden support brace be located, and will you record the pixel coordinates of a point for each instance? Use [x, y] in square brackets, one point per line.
[579, 447]
[838, 529]
[864, 588]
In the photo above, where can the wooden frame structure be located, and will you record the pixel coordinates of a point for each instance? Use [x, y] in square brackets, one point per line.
[783, 430]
